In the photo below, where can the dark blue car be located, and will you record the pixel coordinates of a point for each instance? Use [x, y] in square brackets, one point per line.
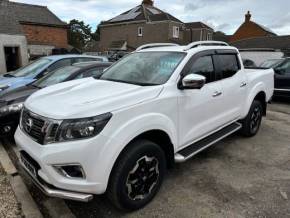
[39, 68]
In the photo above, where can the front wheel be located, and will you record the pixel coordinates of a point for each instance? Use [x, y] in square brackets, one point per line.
[137, 175]
[251, 124]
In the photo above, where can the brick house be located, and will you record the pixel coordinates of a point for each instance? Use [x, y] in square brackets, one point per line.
[250, 29]
[146, 23]
[27, 31]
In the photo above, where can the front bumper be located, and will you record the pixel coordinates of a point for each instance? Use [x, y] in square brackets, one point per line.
[57, 193]
[84, 152]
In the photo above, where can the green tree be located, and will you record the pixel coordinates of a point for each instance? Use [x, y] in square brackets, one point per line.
[79, 34]
[96, 34]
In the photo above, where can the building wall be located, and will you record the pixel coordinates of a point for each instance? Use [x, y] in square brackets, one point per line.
[152, 33]
[13, 41]
[249, 30]
[193, 35]
[42, 35]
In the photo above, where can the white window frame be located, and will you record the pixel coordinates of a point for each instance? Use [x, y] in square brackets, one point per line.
[140, 31]
[176, 32]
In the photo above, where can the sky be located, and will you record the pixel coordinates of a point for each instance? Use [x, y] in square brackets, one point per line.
[222, 15]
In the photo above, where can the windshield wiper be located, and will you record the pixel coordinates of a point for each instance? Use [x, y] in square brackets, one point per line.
[133, 83]
[8, 75]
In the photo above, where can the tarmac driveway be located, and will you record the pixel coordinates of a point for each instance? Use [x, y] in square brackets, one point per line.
[238, 177]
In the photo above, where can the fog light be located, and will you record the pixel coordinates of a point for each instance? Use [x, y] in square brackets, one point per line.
[7, 129]
[71, 171]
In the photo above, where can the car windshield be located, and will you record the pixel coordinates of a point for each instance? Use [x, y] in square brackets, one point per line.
[271, 63]
[144, 68]
[57, 76]
[32, 69]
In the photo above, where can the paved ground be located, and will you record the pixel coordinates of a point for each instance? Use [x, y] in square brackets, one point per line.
[238, 177]
[9, 208]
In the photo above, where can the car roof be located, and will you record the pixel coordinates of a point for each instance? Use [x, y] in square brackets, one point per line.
[185, 50]
[92, 64]
[58, 57]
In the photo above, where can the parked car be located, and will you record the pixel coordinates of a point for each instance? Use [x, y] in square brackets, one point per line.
[249, 63]
[11, 102]
[39, 68]
[282, 75]
[155, 107]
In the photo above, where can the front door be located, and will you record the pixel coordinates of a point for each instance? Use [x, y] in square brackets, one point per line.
[200, 109]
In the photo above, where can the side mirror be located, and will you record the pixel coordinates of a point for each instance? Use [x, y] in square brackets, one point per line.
[192, 81]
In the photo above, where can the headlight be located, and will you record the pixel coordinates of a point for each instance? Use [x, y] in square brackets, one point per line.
[9, 109]
[82, 128]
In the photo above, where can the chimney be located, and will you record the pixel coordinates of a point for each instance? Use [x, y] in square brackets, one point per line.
[248, 17]
[147, 2]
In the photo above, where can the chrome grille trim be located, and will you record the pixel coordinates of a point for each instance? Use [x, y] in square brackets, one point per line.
[41, 129]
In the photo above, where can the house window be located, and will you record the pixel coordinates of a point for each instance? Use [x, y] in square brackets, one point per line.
[176, 32]
[140, 31]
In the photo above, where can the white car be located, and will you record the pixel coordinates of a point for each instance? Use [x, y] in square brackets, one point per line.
[155, 107]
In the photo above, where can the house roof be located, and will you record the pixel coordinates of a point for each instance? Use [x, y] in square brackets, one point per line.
[220, 36]
[197, 25]
[12, 14]
[266, 42]
[143, 12]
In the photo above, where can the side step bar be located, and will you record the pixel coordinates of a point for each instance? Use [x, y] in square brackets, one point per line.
[204, 143]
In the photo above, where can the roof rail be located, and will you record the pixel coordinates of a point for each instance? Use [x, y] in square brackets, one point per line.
[155, 45]
[204, 43]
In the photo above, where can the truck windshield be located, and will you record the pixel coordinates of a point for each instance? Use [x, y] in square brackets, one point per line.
[144, 68]
[32, 69]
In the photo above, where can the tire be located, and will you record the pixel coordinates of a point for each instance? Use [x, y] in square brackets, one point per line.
[251, 124]
[137, 175]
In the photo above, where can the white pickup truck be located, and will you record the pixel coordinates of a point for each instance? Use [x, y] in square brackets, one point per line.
[160, 105]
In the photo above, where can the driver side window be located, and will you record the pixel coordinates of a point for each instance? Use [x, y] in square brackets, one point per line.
[204, 66]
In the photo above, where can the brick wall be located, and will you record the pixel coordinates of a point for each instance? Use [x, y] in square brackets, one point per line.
[46, 35]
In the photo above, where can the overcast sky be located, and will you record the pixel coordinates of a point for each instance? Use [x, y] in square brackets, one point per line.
[224, 15]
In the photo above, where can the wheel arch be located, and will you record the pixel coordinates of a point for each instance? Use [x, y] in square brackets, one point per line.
[257, 93]
[261, 97]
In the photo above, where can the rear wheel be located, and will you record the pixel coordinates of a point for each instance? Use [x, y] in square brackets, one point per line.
[251, 124]
[137, 175]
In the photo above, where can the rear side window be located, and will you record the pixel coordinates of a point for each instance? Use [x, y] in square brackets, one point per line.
[59, 64]
[204, 66]
[229, 65]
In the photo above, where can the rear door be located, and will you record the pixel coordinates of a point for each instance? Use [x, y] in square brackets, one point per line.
[233, 83]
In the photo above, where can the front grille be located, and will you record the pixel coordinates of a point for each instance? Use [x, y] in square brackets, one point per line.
[33, 126]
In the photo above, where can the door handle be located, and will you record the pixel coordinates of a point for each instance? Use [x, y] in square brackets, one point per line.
[243, 84]
[216, 94]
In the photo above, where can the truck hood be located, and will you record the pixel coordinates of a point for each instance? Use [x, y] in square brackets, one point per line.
[88, 97]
